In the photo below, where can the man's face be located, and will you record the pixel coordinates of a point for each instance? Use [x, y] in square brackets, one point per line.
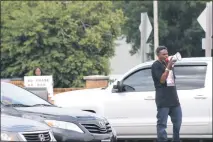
[163, 54]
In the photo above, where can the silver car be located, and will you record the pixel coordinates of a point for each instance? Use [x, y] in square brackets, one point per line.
[21, 129]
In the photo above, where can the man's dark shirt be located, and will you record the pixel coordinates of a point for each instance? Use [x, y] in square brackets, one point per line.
[166, 96]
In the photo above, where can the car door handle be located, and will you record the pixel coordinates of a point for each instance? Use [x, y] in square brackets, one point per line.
[200, 97]
[149, 98]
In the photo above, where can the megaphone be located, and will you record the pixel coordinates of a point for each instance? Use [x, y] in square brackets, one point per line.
[176, 57]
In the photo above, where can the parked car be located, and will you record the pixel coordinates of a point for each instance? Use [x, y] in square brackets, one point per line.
[21, 129]
[66, 124]
[131, 109]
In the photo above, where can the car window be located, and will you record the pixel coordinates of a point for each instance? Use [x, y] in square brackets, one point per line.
[190, 77]
[187, 77]
[12, 94]
[140, 80]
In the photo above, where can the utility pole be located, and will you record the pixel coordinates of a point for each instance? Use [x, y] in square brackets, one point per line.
[143, 36]
[145, 29]
[205, 21]
[155, 13]
[208, 51]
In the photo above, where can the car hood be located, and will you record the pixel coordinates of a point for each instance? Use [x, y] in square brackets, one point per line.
[60, 113]
[79, 97]
[18, 124]
[80, 92]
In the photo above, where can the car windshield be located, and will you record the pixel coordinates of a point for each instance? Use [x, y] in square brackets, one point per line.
[17, 96]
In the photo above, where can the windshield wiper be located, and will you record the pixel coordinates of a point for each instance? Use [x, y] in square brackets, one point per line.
[16, 105]
[41, 105]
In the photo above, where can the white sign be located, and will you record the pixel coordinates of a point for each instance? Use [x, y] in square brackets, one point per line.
[40, 81]
[170, 79]
[203, 43]
[207, 27]
[148, 28]
[202, 19]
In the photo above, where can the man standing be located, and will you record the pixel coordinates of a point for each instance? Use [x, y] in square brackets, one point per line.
[166, 95]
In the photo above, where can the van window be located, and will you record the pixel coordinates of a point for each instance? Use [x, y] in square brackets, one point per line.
[190, 77]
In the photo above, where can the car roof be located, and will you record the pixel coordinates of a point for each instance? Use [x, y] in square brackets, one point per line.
[183, 60]
[191, 59]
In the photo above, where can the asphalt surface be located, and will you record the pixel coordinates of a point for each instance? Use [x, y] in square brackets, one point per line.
[185, 140]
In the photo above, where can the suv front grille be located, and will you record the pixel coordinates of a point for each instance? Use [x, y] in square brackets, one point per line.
[96, 129]
[37, 136]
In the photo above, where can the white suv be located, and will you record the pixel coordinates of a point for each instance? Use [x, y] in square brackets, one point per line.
[132, 111]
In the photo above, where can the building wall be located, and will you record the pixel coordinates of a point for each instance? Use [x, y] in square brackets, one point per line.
[123, 61]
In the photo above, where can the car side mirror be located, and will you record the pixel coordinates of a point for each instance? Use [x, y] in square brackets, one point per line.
[115, 86]
[118, 87]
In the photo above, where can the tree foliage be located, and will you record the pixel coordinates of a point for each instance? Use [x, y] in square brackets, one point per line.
[69, 40]
[178, 26]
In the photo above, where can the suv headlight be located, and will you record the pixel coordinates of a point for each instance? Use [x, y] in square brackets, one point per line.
[63, 125]
[5, 137]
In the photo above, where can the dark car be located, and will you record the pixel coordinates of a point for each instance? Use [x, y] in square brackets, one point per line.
[66, 124]
[21, 129]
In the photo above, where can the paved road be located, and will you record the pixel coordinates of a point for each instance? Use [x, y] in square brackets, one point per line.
[193, 140]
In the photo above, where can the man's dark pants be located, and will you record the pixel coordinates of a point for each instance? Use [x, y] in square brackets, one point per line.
[162, 116]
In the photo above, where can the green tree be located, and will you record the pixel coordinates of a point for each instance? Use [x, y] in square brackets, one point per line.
[178, 26]
[184, 33]
[69, 40]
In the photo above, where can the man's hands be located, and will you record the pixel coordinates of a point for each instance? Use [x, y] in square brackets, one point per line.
[166, 73]
[170, 63]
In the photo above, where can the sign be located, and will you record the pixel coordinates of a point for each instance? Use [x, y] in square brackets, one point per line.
[40, 82]
[205, 21]
[202, 19]
[145, 30]
[170, 79]
[203, 43]
[148, 28]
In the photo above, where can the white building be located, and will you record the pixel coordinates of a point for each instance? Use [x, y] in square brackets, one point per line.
[123, 60]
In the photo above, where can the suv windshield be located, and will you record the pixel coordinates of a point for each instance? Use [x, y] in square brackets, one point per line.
[17, 96]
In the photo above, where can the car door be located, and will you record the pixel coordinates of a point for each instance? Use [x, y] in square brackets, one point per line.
[194, 98]
[134, 111]
[208, 86]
